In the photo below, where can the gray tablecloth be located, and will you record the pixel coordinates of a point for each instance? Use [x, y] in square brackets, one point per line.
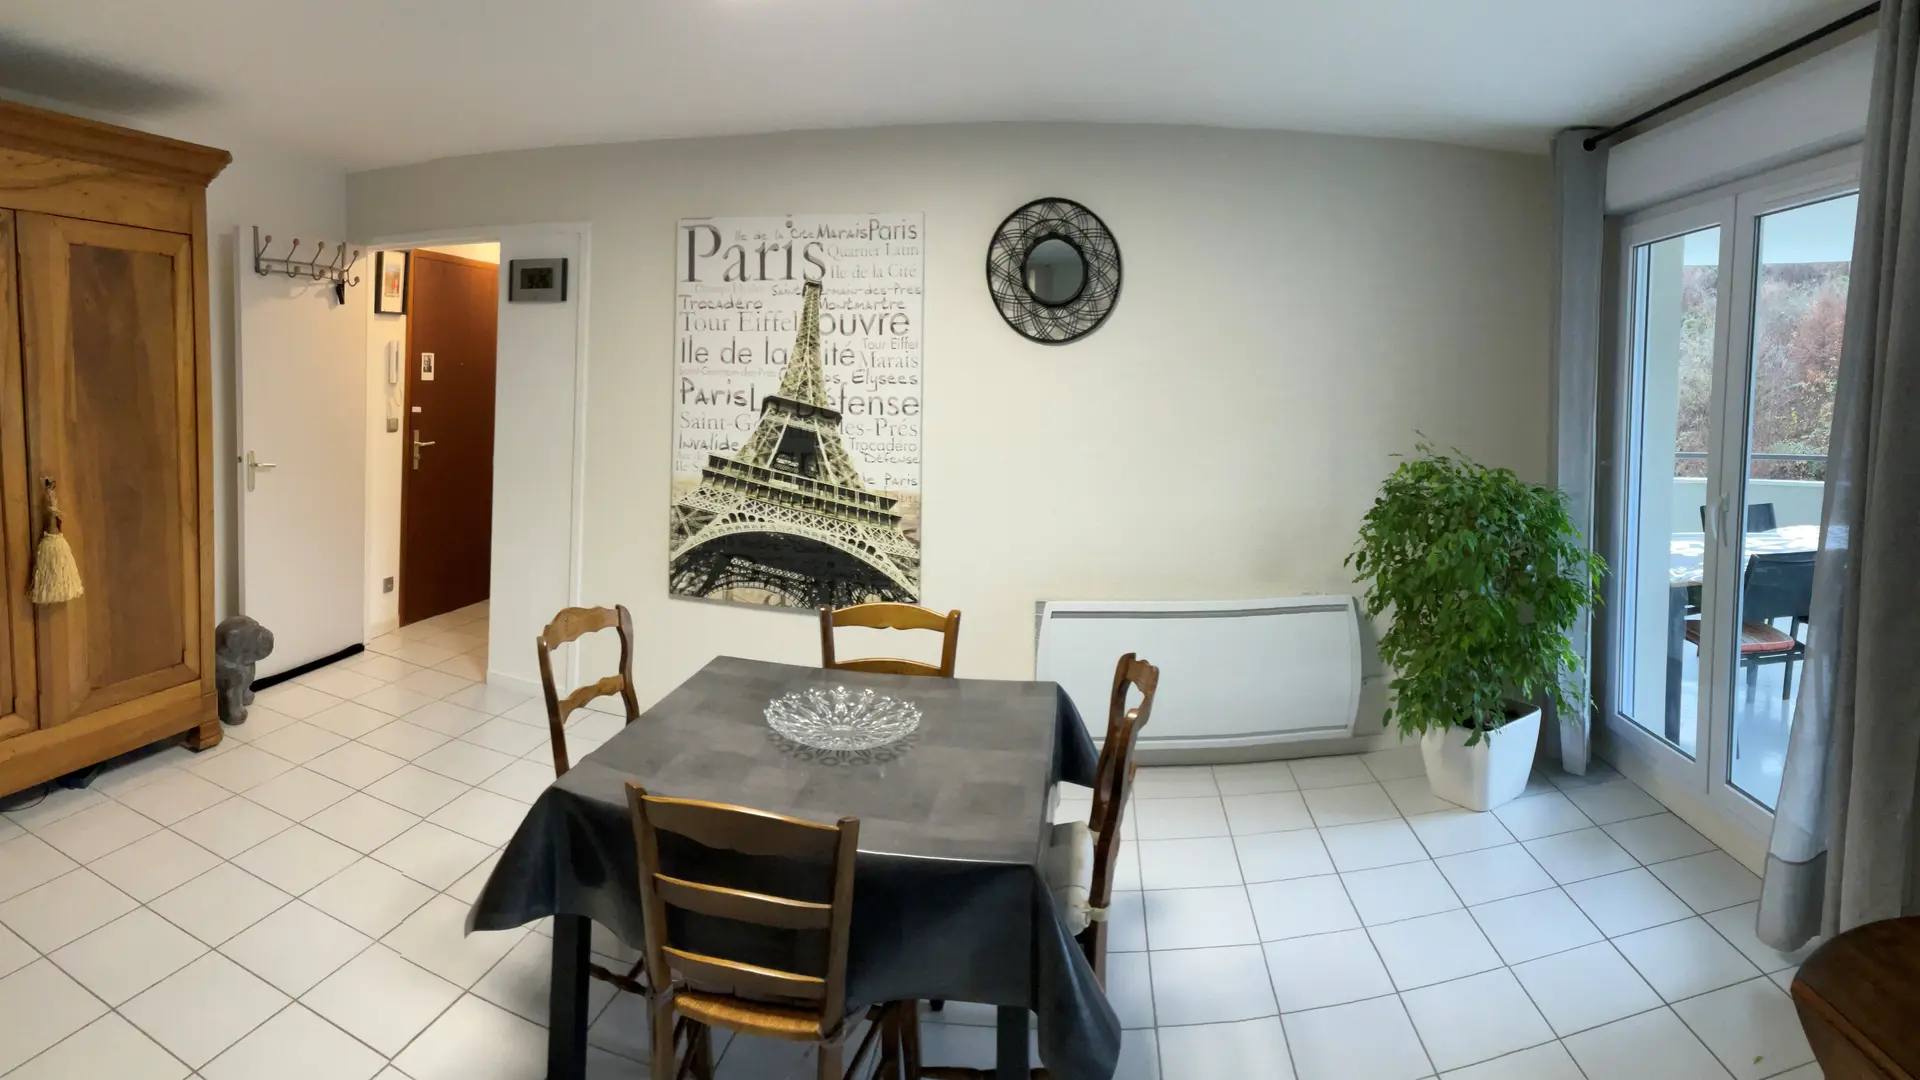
[949, 902]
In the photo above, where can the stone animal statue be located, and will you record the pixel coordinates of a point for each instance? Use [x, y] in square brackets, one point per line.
[238, 644]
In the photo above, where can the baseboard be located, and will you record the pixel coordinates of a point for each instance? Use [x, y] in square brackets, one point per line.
[513, 682]
[311, 665]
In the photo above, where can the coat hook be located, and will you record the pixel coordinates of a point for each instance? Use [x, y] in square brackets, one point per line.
[291, 269]
[260, 250]
[313, 264]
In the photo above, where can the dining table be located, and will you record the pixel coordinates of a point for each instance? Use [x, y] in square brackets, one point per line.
[950, 902]
[1686, 574]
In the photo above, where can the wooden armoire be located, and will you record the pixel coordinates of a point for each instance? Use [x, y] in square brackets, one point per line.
[105, 389]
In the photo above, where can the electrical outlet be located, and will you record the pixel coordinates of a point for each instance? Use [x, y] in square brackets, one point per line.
[386, 585]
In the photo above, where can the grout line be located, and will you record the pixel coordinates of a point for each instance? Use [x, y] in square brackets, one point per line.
[1380, 959]
[1229, 835]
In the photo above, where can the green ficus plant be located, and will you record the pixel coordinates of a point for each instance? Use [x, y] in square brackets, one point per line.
[1485, 575]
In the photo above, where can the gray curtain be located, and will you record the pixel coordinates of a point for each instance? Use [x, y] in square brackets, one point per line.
[1580, 187]
[1844, 848]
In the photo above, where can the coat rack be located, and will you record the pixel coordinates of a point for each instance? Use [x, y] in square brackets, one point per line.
[338, 269]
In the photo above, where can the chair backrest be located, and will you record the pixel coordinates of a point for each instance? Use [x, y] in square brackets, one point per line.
[571, 625]
[1778, 586]
[806, 849]
[891, 617]
[1113, 777]
[1760, 518]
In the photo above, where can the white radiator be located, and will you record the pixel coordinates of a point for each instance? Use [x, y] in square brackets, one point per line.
[1234, 674]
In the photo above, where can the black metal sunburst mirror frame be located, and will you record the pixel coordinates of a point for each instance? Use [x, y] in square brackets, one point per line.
[1029, 227]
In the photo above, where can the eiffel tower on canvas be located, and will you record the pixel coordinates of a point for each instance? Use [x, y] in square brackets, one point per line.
[789, 513]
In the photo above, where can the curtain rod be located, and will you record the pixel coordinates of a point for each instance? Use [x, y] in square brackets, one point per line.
[1801, 42]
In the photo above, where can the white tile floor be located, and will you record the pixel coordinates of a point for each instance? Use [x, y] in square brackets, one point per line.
[1330, 919]
[291, 905]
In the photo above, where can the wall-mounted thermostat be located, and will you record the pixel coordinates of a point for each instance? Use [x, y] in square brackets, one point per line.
[537, 281]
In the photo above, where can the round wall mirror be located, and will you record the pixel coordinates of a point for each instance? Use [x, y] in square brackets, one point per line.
[1055, 272]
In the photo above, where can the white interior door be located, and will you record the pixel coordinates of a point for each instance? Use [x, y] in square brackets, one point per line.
[301, 466]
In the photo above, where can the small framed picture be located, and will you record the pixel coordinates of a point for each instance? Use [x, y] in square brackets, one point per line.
[390, 297]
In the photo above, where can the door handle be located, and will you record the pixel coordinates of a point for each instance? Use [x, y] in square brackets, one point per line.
[254, 465]
[417, 444]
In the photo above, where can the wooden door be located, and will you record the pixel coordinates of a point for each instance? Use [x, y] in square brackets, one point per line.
[19, 710]
[108, 346]
[446, 486]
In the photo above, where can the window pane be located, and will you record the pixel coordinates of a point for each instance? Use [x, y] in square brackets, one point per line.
[1676, 304]
[1800, 305]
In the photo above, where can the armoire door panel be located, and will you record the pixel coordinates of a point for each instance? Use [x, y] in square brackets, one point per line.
[109, 366]
[19, 711]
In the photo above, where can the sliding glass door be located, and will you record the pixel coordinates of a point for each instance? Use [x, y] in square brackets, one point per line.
[1732, 308]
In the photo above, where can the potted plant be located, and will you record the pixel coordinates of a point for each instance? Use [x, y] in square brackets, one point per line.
[1485, 574]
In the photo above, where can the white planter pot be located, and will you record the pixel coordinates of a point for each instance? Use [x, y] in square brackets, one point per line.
[1482, 776]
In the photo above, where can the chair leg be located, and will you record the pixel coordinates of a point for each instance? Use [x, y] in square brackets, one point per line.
[666, 1057]
[1786, 681]
[831, 1065]
[1753, 679]
[906, 1039]
[909, 1020]
[703, 1054]
[888, 1066]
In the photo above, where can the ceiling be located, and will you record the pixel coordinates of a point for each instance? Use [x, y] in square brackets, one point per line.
[366, 83]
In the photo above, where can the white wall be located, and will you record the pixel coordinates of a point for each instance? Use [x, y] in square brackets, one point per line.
[386, 335]
[537, 392]
[1294, 308]
[488, 252]
[1795, 502]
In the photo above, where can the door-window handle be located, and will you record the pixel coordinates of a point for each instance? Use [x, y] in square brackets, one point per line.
[417, 444]
[254, 465]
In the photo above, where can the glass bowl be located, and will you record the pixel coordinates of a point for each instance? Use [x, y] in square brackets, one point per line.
[840, 719]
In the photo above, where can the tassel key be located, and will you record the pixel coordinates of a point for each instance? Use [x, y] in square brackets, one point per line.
[56, 576]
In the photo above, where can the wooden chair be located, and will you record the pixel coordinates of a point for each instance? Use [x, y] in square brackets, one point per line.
[571, 625]
[1080, 855]
[743, 996]
[891, 617]
[1113, 783]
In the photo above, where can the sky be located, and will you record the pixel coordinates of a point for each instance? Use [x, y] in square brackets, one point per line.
[1816, 232]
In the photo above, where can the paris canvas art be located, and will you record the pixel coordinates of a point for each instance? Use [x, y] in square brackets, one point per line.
[797, 409]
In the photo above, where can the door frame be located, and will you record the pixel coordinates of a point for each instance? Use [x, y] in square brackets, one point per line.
[572, 421]
[407, 366]
[1625, 738]
[1697, 788]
